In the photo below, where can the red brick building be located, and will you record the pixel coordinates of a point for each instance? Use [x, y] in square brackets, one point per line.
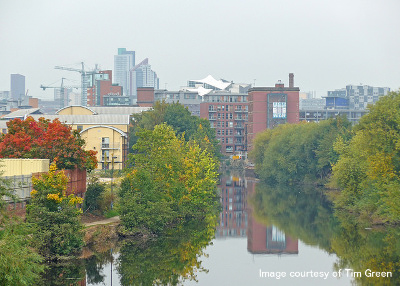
[145, 96]
[101, 88]
[227, 113]
[271, 106]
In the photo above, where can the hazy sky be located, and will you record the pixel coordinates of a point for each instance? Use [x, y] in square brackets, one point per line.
[326, 44]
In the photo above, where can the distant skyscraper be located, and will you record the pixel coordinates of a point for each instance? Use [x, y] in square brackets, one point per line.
[142, 76]
[17, 86]
[123, 63]
[65, 101]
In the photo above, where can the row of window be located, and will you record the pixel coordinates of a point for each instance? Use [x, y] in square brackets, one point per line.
[227, 108]
[228, 116]
[226, 98]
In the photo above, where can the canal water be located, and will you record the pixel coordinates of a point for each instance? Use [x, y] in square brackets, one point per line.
[266, 235]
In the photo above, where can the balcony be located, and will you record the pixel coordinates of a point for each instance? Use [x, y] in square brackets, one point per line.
[238, 127]
[107, 159]
[114, 146]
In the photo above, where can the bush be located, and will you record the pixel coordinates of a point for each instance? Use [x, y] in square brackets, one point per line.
[54, 216]
[93, 195]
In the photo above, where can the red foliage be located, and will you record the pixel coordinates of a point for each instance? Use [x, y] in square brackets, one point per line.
[44, 139]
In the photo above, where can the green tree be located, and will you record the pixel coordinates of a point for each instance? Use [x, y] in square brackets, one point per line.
[179, 117]
[368, 169]
[19, 263]
[298, 152]
[172, 181]
[55, 216]
[93, 195]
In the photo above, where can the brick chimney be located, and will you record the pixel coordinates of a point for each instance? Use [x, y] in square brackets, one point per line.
[291, 80]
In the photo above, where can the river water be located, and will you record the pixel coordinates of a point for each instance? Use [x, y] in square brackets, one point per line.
[279, 235]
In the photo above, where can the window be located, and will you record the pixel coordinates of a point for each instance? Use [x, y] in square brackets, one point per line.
[105, 142]
[80, 128]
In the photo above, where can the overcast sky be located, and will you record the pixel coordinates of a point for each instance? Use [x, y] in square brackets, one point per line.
[326, 44]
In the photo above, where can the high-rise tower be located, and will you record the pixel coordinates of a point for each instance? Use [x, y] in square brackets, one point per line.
[142, 76]
[17, 86]
[123, 63]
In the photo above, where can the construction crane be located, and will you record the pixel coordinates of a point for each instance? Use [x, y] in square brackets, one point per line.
[62, 91]
[84, 82]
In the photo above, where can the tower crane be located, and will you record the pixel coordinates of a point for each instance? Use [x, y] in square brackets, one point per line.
[84, 82]
[62, 91]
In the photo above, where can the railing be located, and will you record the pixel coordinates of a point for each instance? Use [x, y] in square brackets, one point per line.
[110, 146]
[20, 187]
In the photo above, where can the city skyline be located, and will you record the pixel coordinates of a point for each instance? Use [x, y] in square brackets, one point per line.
[326, 45]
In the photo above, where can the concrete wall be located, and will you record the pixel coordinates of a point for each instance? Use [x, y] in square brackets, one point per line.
[19, 167]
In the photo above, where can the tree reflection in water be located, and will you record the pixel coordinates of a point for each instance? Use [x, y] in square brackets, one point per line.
[166, 260]
[304, 212]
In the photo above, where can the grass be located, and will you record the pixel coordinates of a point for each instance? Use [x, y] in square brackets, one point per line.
[111, 213]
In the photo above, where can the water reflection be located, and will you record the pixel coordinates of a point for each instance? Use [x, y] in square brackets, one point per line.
[305, 212]
[285, 228]
[166, 260]
[236, 219]
[233, 215]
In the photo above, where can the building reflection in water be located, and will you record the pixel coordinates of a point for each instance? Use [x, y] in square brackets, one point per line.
[233, 216]
[236, 220]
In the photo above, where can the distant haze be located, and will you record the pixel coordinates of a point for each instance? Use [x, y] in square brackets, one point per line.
[326, 44]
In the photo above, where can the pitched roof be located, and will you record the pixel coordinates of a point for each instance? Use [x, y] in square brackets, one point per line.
[22, 113]
[99, 119]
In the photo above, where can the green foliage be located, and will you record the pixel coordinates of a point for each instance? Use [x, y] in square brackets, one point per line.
[167, 260]
[67, 272]
[172, 181]
[298, 152]
[179, 117]
[111, 213]
[107, 199]
[303, 212]
[19, 264]
[368, 170]
[55, 216]
[93, 195]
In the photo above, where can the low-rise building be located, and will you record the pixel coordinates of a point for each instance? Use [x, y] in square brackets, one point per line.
[104, 129]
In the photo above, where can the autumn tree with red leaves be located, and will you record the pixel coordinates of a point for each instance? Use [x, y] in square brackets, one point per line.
[45, 139]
